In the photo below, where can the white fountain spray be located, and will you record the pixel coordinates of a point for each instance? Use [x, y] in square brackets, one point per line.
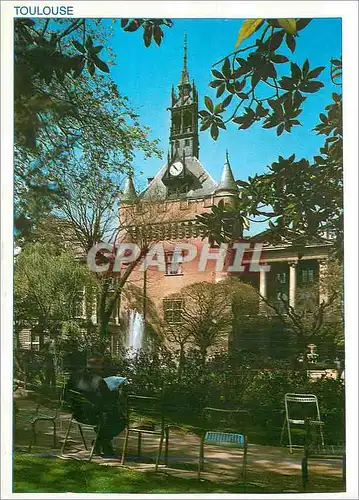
[136, 327]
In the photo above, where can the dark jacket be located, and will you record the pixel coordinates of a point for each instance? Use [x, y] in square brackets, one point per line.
[88, 396]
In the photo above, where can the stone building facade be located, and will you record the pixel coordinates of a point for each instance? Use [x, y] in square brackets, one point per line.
[166, 210]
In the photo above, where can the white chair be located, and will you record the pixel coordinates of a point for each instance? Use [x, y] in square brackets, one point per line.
[301, 403]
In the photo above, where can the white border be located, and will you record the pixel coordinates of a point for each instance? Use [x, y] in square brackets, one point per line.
[348, 10]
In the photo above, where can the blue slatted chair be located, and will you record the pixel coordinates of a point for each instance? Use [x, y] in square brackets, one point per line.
[221, 427]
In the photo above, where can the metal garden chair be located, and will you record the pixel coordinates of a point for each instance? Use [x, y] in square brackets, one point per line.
[152, 410]
[314, 450]
[222, 427]
[299, 408]
[79, 400]
[47, 409]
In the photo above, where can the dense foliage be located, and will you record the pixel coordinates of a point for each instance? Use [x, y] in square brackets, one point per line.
[230, 380]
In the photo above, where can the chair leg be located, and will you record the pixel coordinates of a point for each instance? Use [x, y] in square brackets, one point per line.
[159, 450]
[33, 436]
[66, 437]
[82, 436]
[321, 434]
[304, 472]
[201, 457]
[167, 432]
[139, 439]
[289, 437]
[94, 443]
[125, 444]
[282, 432]
[244, 468]
[54, 426]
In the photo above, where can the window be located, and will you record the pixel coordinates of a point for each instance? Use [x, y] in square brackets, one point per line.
[281, 278]
[307, 275]
[186, 142]
[172, 309]
[173, 267]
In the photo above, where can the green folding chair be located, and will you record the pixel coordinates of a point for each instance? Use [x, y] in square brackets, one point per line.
[79, 400]
[151, 409]
[47, 409]
[314, 449]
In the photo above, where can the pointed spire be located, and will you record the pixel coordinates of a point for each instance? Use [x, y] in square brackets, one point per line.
[129, 192]
[227, 182]
[184, 77]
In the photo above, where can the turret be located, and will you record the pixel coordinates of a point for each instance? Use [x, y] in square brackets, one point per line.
[227, 188]
[129, 194]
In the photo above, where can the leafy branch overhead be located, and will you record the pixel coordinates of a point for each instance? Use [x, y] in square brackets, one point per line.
[300, 200]
[151, 28]
[260, 82]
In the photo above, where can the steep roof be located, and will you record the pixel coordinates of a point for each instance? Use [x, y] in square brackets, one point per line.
[157, 189]
[129, 191]
[227, 182]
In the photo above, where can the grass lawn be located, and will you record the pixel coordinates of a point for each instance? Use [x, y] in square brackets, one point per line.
[33, 474]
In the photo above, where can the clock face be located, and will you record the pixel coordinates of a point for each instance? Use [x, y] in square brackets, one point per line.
[176, 168]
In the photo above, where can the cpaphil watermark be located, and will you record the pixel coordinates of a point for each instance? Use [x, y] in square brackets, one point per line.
[236, 258]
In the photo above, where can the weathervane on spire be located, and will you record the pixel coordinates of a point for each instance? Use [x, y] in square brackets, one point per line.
[227, 156]
[184, 77]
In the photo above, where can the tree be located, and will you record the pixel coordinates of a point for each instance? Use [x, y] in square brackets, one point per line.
[253, 78]
[48, 289]
[299, 199]
[208, 314]
[67, 112]
[311, 321]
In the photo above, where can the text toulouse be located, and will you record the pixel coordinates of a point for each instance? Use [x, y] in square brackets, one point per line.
[44, 10]
[182, 253]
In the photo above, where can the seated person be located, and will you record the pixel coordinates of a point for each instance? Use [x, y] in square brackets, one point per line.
[99, 404]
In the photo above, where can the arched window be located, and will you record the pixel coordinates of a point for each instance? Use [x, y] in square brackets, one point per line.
[187, 122]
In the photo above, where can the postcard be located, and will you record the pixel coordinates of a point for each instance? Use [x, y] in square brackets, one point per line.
[178, 266]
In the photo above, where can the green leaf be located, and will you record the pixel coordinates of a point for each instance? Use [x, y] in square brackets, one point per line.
[217, 74]
[305, 68]
[226, 68]
[89, 42]
[227, 101]
[78, 46]
[221, 89]
[296, 71]
[315, 72]
[311, 87]
[214, 131]
[278, 58]
[275, 40]
[289, 25]
[96, 50]
[248, 27]
[91, 68]
[290, 41]
[101, 64]
[208, 103]
[302, 23]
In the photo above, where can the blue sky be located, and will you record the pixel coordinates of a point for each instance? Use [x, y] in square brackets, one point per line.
[145, 75]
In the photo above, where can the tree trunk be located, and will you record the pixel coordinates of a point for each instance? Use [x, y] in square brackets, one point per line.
[203, 351]
[181, 361]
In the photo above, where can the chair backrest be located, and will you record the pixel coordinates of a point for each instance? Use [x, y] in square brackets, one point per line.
[82, 408]
[144, 407]
[301, 406]
[225, 420]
